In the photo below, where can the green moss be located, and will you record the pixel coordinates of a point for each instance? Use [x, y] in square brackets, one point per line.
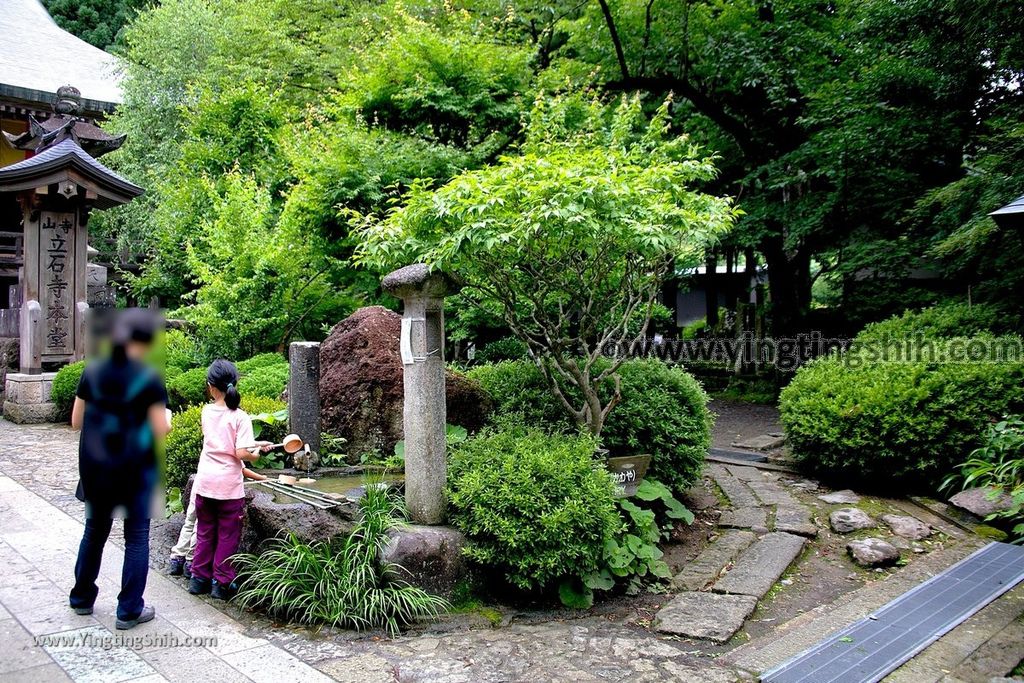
[990, 532]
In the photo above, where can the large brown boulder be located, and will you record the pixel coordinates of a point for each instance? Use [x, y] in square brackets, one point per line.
[361, 388]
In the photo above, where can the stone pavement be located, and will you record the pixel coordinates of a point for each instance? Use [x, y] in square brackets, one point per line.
[39, 532]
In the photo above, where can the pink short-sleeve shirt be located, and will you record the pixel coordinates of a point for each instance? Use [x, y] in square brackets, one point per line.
[220, 471]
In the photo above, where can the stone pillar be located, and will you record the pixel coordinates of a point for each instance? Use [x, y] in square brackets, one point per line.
[422, 350]
[304, 392]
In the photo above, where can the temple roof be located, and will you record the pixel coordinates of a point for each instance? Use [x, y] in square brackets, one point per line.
[38, 57]
[1011, 215]
[67, 161]
[65, 123]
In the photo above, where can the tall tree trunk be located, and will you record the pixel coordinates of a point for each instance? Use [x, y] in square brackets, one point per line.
[789, 285]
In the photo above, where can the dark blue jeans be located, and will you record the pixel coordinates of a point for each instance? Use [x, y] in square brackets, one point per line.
[133, 575]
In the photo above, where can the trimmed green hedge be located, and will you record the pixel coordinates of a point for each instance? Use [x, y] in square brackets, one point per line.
[267, 380]
[65, 386]
[535, 507]
[899, 424]
[187, 389]
[943, 321]
[260, 361]
[663, 413]
[185, 442]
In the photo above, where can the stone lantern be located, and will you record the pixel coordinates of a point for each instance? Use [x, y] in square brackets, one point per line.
[56, 189]
[424, 420]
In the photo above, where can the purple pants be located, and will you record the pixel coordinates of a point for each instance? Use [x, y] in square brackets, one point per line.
[218, 532]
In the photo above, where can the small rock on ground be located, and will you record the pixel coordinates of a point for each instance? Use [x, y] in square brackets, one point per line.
[708, 616]
[907, 527]
[845, 520]
[872, 552]
[844, 497]
[981, 502]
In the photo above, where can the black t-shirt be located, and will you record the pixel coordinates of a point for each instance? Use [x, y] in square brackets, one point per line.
[117, 448]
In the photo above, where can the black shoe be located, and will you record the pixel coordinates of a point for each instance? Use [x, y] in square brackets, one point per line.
[197, 586]
[175, 566]
[147, 614]
[222, 592]
[82, 611]
[187, 570]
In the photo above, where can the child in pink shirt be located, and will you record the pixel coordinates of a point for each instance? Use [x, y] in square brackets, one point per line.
[220, 499]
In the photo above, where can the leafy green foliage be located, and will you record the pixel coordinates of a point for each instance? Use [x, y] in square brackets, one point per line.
[507, 348]
[184, 446]
[662, 412]
[937, 322]
[65, 386]
[332, 450]
[536, 508]
[269, 381]
[633, 556]
[895, 424]
[98, 22]
[182, 350]
[258, 361]
[998, 464]
[340, 582]
[187, 389]
[269, 426]
[571, 239]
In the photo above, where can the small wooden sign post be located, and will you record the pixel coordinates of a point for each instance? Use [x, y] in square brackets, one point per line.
[628, 472]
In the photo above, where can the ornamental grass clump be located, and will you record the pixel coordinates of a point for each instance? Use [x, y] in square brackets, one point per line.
[340, 583]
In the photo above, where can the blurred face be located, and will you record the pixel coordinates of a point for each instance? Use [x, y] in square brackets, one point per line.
[137, 350]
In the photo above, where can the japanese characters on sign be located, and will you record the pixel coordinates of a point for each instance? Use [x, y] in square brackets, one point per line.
[56, 273]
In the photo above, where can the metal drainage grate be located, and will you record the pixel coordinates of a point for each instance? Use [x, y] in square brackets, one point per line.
[867, 650]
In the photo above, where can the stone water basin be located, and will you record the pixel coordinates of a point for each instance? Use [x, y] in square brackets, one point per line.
[351, 486]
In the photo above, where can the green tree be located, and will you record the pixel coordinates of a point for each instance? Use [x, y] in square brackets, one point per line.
[571, 239]
[99, 22]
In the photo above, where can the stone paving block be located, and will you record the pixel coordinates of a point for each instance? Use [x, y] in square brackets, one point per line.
[844, 497]
[744, 518]
[8, 484]
[762, 442]
[268, 664]
[738, 493]
[707, 616]
[771, 493]
[744, 473]
[190, 664]
[50, 673]
[230, 635]
[364, 668]
[707, 566]
[758, 567]
[795, 520]
[85, 660]
[19, 649]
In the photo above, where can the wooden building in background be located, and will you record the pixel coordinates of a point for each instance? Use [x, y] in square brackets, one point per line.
[37, 57]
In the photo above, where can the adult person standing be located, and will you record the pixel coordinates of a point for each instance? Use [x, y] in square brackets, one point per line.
[120, 407]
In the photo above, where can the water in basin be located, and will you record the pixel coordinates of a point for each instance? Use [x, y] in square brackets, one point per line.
[347, 485]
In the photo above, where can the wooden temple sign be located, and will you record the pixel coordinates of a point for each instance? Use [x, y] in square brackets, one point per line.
[57, 286]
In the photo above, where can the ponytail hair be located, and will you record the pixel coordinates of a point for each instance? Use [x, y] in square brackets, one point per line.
[223, 375]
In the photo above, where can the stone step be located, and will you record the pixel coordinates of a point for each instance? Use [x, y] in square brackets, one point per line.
[989, 644]
[707, 616]
[805, 630]
[706, 567]
[738, 493]
[758, 567]
[795, 520]
[745, 518]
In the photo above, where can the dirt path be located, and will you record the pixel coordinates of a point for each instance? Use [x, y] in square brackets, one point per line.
[737, 421]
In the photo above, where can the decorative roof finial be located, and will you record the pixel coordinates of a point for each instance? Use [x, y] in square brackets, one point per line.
[69, 101]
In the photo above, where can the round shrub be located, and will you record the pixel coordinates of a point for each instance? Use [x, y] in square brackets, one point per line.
[185, 441]
[267, 380]
[663, 413]
[184, 444]
[937, 322]
[187, 389]
[261, 361]
[171, 372]
[535, 507]
[65, 386]
[506, 348]
[904, 424]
